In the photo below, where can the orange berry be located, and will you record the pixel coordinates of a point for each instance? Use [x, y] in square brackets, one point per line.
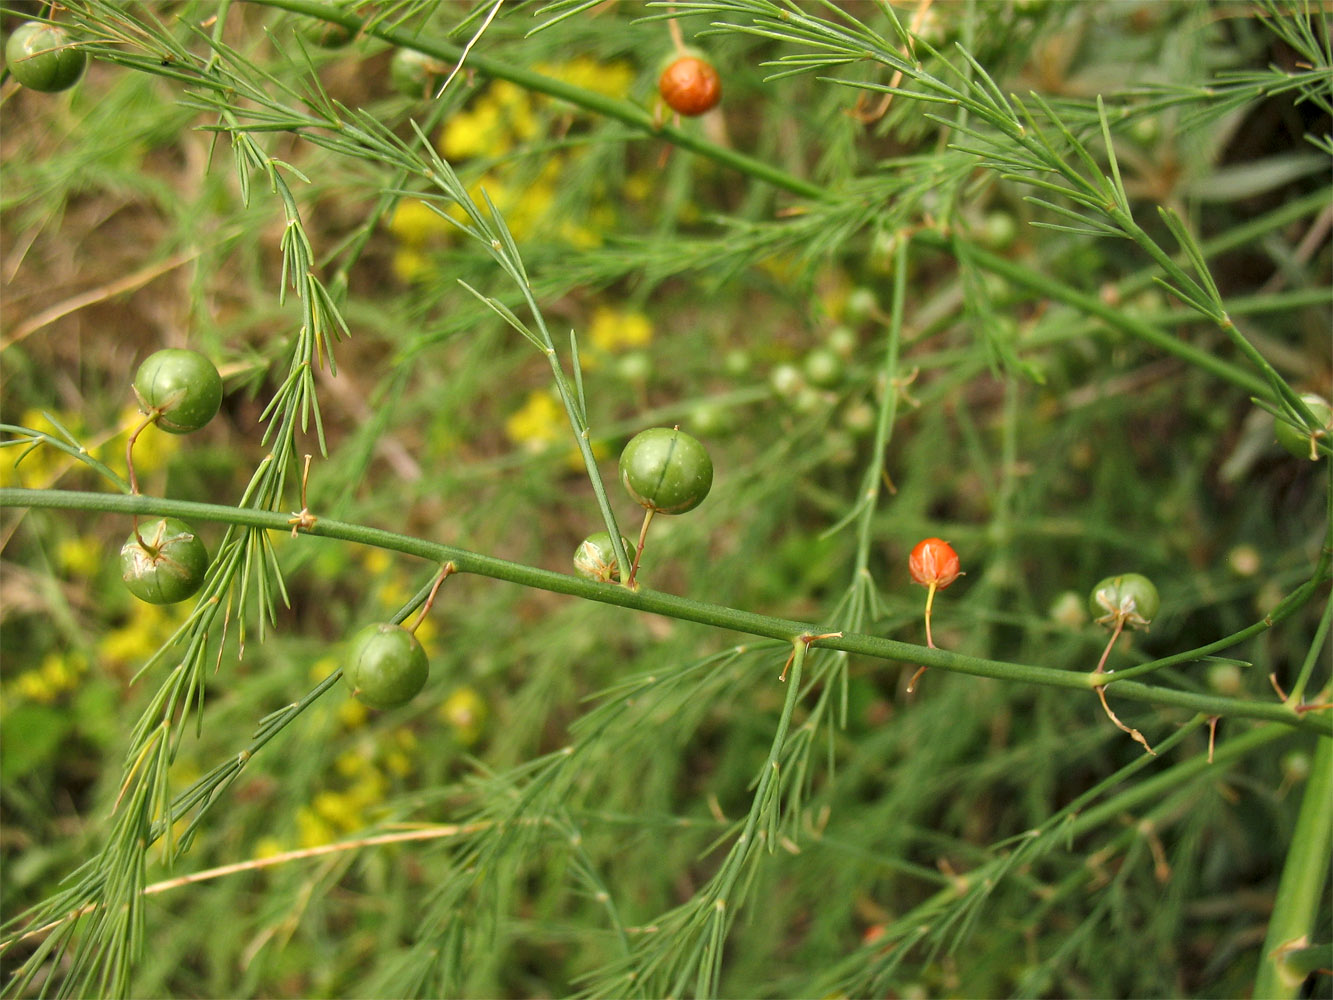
[934, 561]
[690, 86]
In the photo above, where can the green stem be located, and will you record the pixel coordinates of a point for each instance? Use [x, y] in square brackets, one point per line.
[668, 605]
[1303, 885]
[1035, 281]
[608, 107]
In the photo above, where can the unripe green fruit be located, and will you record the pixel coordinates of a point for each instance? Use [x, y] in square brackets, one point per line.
[168, 566]
[823, 367]
[1300, 441]
[665, 470]
[414, 73]
[42, 57]
[1130, 598]
[385, 666]
[181, 386]
[327, 34]
[595, 558]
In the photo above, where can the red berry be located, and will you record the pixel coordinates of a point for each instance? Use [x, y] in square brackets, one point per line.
[690, 86]
[933, 561]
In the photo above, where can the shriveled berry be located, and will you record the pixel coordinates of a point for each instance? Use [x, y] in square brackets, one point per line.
[690, 86]
[181, 386]
[595, 558]
[43, 57]
[666, 471]
[385, 666]
[1129, 599]
[167, 566]
[1300, 441]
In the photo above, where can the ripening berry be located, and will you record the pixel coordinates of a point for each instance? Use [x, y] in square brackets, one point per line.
[933, 563]
[690, 86]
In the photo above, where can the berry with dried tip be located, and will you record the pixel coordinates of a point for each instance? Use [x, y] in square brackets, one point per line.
[1129, 600]
[385, 666]
[1300, 441]
[595, 558]
[164, 562]
[690, 86]
[666, 471]
[180, 387]
[42, 57]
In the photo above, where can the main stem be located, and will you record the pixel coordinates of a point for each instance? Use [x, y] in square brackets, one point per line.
[669, 605]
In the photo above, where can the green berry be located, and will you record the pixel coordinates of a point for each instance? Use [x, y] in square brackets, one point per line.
[182, 387]
[1129, 599]
[327, 34]
[385, 666]
[1300, 441]
[414, 73]
[823, 368]
[595, 558]
[665, 470]
[167, 566]
[42, 57]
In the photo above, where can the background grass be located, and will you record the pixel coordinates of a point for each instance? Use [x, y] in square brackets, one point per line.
[582, 771]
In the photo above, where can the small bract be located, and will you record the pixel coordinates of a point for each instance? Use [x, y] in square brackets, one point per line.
[42, 57]
[181, 386]
[666, 471]
[385, 666]
[167, 566]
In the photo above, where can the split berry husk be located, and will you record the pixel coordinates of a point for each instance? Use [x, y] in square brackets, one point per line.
[1129, 600]
[42, 57]
[666, 471]
[163, 562]
[933, 562]
[385, 666]
[690, 86]
[595, 558]
[181, 387]
[1300, 441]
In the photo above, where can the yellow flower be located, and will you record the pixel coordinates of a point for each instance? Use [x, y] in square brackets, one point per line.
[376, 561]
[613, 331]
[352, 714]
[312, 831]
[34, 687]
[409, 265]
[149, 626]
[416, 224]
[322, 667]
[398, 763]
[268, 847]
[80, 556]
[152, 449]
[612, 79]
[538, 423]
[466, 712]
[350, 763]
